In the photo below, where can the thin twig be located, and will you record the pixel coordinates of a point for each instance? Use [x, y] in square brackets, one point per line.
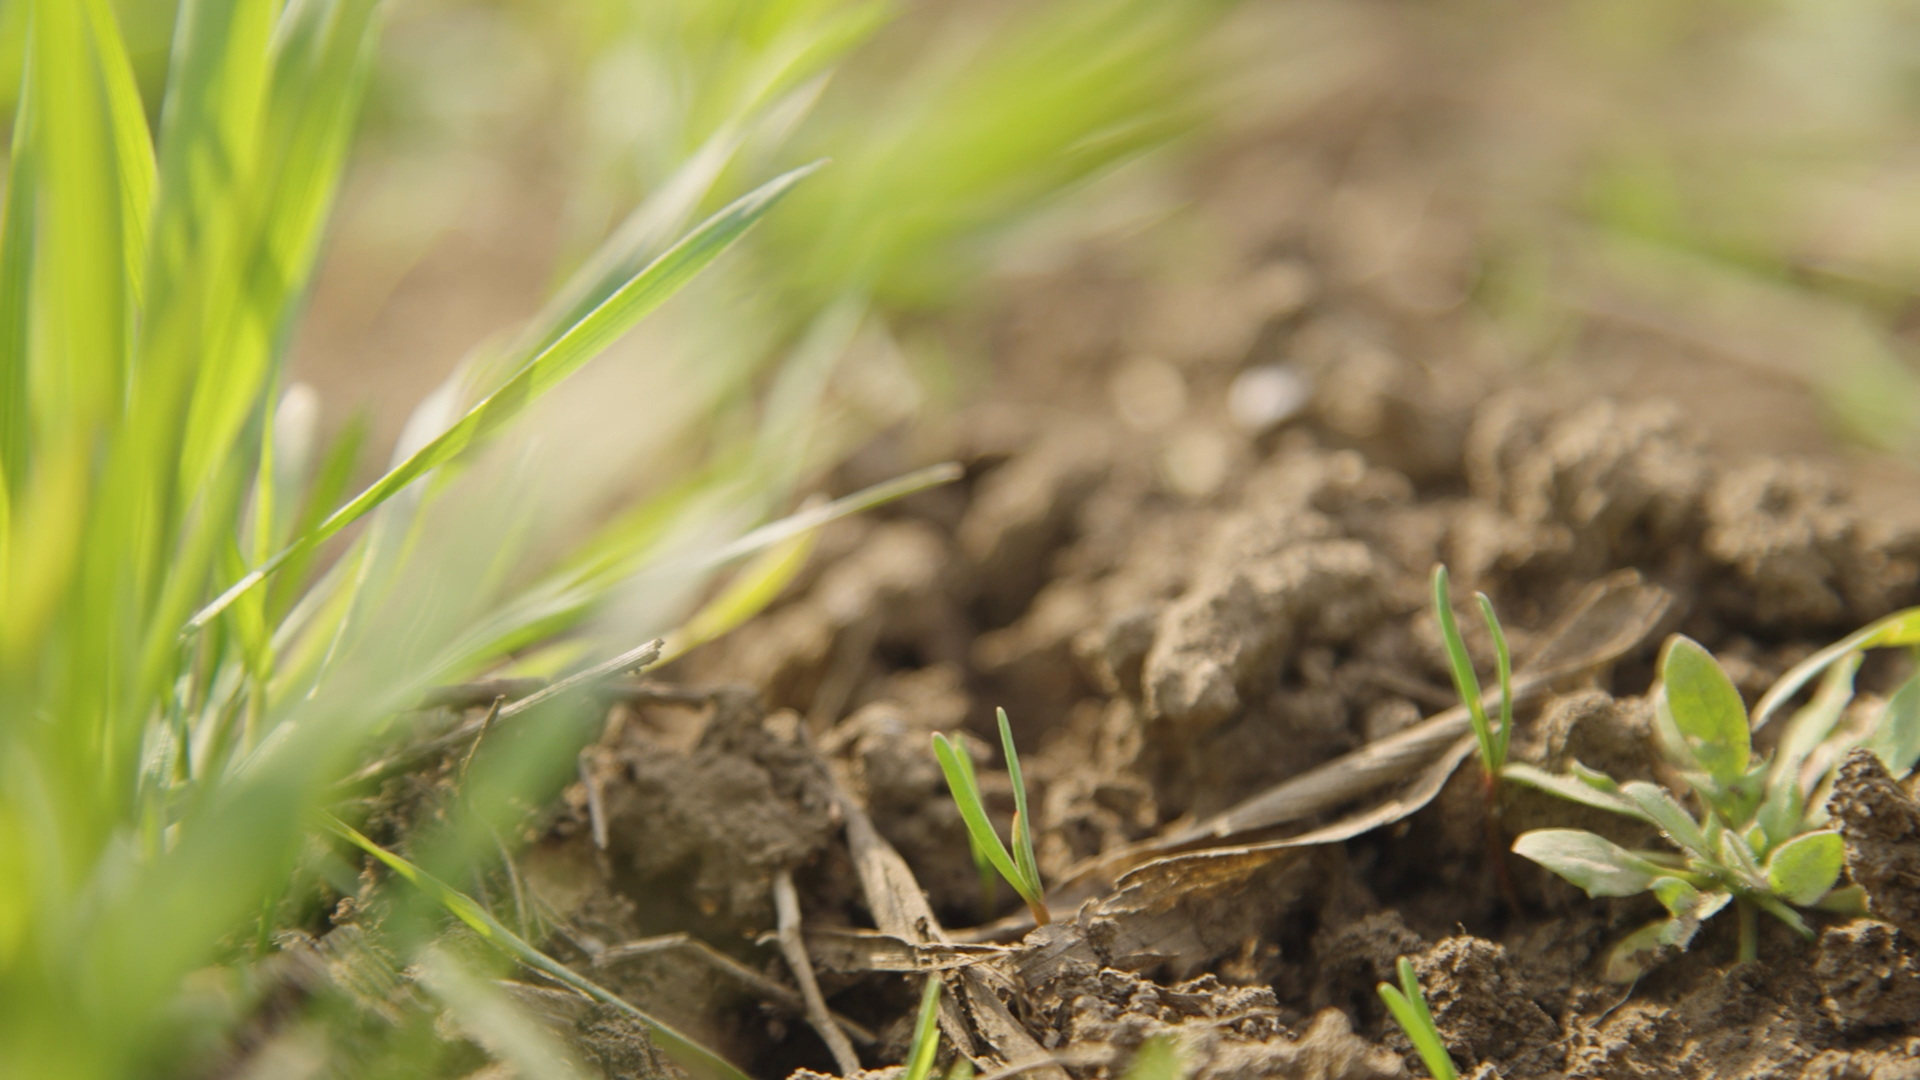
[596, 811]
[486, 725]
[472, 695]
[727, 965]
[632, 658]
[786, 905]
[475, 694]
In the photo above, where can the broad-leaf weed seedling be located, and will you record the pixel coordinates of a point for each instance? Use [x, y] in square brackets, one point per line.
[1761, 841]
[1017, 866]
[1408, 1004]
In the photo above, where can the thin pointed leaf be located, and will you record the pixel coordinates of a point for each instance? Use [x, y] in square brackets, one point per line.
[1409, 1008]
[581, 343]
[133, 145]
[750, 591]
[926, 1032]
[1503, 661]
[1022, 824]
[966, 796]
[1899, 628]
[1811, 725]
[17, 230]
[1465, 682]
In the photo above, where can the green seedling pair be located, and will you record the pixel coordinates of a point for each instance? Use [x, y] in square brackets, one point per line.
[1492, 739]
[1408, 1004]
[1018, 865]
[1761, 840]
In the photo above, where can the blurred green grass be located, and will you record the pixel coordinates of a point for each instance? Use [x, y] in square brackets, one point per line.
[189, 668]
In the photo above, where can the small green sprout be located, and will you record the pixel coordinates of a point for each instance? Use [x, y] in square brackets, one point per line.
[1408, 1004]
[1761, 841]
[926, 1032]
[1018, 866]
[1493, 740]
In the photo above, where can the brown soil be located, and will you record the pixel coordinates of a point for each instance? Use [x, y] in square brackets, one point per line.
[1178, 608]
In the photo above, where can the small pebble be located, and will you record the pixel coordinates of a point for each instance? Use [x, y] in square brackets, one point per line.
[1263, 397]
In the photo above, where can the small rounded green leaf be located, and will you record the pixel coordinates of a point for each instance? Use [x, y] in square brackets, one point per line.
[1804, 868]
[1596, 864]
[1896, 735]
[1706, 708]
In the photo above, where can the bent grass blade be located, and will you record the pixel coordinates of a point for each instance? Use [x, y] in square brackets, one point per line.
[603, 325]
[690, 1054]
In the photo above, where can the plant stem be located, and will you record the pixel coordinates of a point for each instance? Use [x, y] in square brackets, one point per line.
[1749, 930]
[1496, 844]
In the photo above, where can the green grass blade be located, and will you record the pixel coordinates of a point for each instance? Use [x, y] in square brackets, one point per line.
[1409, 1008]
[16, 271]
[1465, 682]
[1022, 824]
[966, 796]
[690, 1054]
[317, 67]
[559, 602]
[582, 342]
[1900, 628]
[926, 1032]
[78, 366]
[756, 586]
[1504, 662]
[493, 1020]
[133, 144]
[210, 127]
